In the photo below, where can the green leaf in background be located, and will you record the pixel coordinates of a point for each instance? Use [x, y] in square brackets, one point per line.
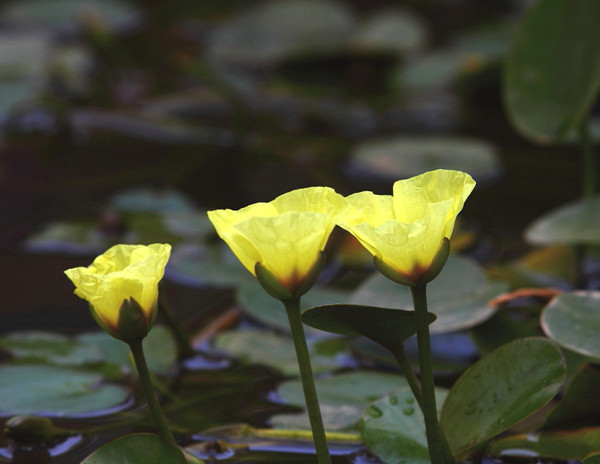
[393, 428]
[551, 80]
[342, 398]
[573, 224]
[159, 345]
[270, 312]
[592, 458]
[399, 157]
[134, 449]
[580, 404]
[256, 346]
[57, 391]
[458, 296]
[273, 30]
[388, 327]
[573, 320]
[565, 445]
[65, 12]
[395, 30]
[501, 390]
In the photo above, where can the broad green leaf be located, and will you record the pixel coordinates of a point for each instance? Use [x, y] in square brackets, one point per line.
[573, 224]
[269, 311]
[258, 346]
[580, 404]
[565, 445]
[393, 428]
[137, 448]
[458, 296]
[342, 398]
[592, 458]
[501, 390]
[388, 327]
[57, 391]
[573, 320]
[552, 80]
[398, 157]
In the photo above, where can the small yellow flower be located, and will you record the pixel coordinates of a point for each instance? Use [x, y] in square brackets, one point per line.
[125, 276]
[285, 237]
[406, 231]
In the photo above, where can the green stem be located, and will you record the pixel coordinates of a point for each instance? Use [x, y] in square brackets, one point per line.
[439, 451]
[146, 382]
[292, 308]
[404, 364]
[589, 164]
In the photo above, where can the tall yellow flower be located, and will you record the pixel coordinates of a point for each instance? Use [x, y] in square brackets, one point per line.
[121, 286]
[281, 242]
[407, 233]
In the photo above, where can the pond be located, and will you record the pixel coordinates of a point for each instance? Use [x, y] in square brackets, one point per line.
[125, 122]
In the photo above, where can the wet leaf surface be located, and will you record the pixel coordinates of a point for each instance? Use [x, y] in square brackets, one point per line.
[501, 390]
[393, 428]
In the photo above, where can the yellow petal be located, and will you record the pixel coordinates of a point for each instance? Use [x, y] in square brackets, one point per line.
[286, 235]
[122, 272]
[368, 207]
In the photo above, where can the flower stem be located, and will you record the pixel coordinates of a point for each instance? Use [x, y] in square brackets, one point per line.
[146, 382]
[292, 308]
[408, 372]
[439, 451]
[174, 324]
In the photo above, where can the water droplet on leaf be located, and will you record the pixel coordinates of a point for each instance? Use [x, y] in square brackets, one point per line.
[374, 411]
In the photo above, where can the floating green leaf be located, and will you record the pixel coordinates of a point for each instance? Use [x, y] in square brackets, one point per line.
[571, 445]
[133, 449]
[500, 390]
[458, 296]
[572, 319]
[393, 428]
[573, 224]
[268, 310]
[57, 391]
[342, 398]
[265, 347]
[388, 327]
[552, 80]
[394, 158]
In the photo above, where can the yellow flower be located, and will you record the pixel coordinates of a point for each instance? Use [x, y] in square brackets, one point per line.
[406, 232]
[121, 286]
[282, 241]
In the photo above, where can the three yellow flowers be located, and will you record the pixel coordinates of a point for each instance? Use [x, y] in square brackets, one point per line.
[281, 243]
[404, 232]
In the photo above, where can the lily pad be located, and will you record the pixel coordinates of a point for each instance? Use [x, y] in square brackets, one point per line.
[342, 398]
[145, 200]
[458, 296]
[57, 391]
[133, 449]
[388, 327]
[276, 29]
[565, 445]
[501, 390]
[399, 157]
[396, 30]
[573, 224]
[269, 311]
[552, 80]
[65, 12]
[268, 348]
[393, 428]
[572, 319]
